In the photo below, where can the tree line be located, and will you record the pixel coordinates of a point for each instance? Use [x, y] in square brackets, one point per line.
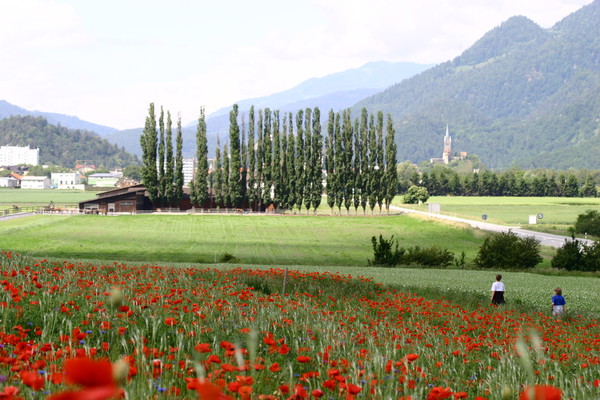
[285, 161]
[507, 183]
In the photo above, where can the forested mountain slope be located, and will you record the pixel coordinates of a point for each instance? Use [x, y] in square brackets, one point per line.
[62, 146]
[521, 95]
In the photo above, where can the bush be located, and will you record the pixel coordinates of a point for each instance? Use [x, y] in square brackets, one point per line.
[228, 258]
[569, 256]
[416, 194]
[589, 223]
[432, 257]
[507, 250]
[577, 256]
[386, 252]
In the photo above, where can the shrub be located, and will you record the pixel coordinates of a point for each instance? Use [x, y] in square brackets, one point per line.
[432, 257]
[385, 252]
[507, 250]
[388, 253]
[577, 256]
[228, 258]
[589, 223]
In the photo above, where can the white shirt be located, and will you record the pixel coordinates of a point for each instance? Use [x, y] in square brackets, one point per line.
[498, 286]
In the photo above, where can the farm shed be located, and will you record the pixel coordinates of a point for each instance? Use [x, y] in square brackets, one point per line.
[127, 199]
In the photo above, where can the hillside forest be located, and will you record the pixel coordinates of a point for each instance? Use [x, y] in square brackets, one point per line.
[62, 146]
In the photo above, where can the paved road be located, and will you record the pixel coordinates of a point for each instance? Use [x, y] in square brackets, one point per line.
[546, 239]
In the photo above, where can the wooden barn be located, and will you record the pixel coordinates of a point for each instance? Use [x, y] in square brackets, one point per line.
[127, 199]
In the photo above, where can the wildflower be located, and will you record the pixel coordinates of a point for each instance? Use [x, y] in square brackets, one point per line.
[95, 378]
[541, 392]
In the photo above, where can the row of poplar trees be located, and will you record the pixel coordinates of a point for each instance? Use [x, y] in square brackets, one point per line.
[162, 172]
[286, 162]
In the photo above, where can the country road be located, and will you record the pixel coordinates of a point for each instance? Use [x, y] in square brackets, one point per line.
[546, 239]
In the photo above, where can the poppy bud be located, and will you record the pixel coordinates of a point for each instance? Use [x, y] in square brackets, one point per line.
[116, 297]
[507, 393]
[120, 370]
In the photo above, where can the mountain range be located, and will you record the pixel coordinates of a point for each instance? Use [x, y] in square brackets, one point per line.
[520, 96]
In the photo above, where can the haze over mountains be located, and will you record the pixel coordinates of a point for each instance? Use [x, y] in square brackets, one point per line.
[521, 95]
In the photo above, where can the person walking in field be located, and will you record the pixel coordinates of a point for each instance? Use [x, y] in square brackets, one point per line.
[559, 303]
[498, 291]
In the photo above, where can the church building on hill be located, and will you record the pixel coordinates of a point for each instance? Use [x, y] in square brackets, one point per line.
[447, 153]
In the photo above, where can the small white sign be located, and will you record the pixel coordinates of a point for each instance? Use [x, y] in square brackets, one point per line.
[532, 219]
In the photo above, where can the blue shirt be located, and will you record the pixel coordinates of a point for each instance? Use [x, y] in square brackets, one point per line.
[558, 300]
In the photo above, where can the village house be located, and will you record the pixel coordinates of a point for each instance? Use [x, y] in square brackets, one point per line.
[35, 182]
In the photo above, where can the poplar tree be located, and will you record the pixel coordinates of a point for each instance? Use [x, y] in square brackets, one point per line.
[291, 164]
[364, 159]
[260, 178]
[356, 173]
[201, 193]
[317, 160]
[217, 176]
[283, 172]
[244, 166]
[226, 177]
[252, 197]
[170, 163]
[299, 173]
[161, 158]
[148, 142]
[276, 163]
[380, 161]
[267, 152]
[373, 176]
[235, 163]
[391, 171]
[348, 155]
[179, 178]
[339, 163]
[330, 188]
[308, 159]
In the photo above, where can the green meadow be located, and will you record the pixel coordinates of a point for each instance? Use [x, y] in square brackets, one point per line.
[252, 239]
[559, 213]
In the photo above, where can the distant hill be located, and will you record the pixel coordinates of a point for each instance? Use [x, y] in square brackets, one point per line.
[521, 95]
[335, 91]
[62, 146]
[8, 110]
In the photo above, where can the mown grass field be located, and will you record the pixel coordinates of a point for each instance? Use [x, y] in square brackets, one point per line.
[253, 239]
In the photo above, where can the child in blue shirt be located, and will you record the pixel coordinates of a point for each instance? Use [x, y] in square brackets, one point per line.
[558, 303]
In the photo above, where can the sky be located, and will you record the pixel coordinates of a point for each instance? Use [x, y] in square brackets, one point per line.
[106, 61]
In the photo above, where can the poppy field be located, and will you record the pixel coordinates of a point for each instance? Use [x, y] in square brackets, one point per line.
[71, 330]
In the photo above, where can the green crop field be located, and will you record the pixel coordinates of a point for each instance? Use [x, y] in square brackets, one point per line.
[42, 197]
[558, 212]
[253, 239]
[522, 288]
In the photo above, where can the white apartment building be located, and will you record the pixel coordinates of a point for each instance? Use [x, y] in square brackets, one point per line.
[66, 180]
[189, 168]
[15, 155]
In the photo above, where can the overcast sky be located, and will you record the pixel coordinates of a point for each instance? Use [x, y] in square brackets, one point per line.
[105, 61]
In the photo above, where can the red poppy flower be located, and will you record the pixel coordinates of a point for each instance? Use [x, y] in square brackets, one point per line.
[203, 348]
[210, 391]
[541, 392]
[32, 379]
